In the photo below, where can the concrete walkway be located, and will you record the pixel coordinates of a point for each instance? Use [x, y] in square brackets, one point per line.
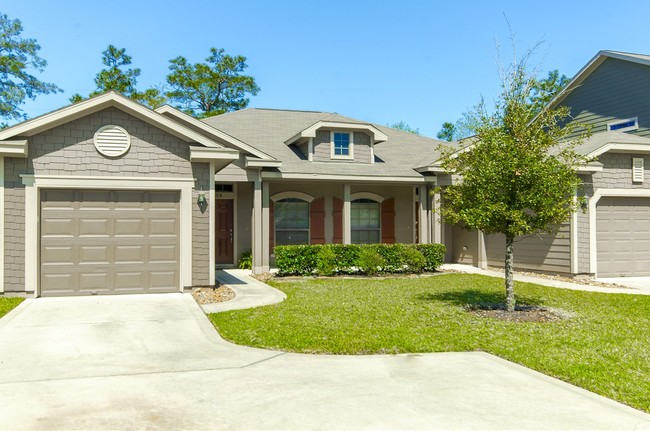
[622, 285]
[155, 362]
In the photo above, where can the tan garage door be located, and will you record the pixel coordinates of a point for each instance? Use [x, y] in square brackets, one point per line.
[109, 242]
[623, 232]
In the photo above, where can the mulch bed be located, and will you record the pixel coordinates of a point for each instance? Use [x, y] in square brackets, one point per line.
[522, 313]
[212, 294]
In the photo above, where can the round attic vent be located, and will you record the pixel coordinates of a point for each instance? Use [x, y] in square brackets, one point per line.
[112, 141]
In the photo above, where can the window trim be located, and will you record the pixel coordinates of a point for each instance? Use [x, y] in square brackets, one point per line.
[350, 156]
[291, 195]
[379, 228]
[624, 129]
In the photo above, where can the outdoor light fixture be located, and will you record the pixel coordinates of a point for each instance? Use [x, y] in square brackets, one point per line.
[202, 201]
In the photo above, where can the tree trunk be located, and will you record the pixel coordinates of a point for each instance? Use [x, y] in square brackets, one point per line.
[510, 287]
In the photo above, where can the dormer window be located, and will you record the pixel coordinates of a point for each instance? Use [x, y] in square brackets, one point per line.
[624, 125]
[342, 145]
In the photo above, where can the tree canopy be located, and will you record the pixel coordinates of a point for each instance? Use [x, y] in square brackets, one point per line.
[519, 171]
[118, 77]
[405, 128]
[18, 55]
[210, 88]
[542, 91]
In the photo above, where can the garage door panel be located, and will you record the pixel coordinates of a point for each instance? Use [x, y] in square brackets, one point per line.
[163, 227]
[623, 236]
[162, 254]
[129, 227]
[109, 242]
[97, 255]
[57, 255]
[161, 279]
[130, 254]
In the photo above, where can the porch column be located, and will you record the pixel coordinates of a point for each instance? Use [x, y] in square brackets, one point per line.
[482, 251]
[423, 216]
[347, 214]
[212, 212]
[265, 228]
[436, 235]
[257, 228]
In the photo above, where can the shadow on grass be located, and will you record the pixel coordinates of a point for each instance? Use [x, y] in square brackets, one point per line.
[473, 298]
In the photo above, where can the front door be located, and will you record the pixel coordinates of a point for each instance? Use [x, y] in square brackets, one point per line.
[225, 226]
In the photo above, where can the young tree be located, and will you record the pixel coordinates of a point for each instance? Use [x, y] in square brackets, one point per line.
[117, 77]
[211, 88]
[405, 128]
[17, 56]
[519, 172]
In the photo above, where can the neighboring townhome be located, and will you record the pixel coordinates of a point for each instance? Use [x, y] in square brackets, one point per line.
[107, 196]
[611, 238]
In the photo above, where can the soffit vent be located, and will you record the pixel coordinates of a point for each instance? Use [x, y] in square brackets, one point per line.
[112, 141]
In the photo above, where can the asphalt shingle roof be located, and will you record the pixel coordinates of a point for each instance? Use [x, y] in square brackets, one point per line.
[268, 129]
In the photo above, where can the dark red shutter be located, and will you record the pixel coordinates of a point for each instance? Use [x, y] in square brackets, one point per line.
[338, 221]
[388, 221]
[271, 226]
[317, 221]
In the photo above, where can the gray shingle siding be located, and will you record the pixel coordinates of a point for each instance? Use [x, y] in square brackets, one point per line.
[69, 149]
[617, 172]
[14, 229]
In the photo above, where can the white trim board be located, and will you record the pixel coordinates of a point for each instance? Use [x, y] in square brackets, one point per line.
[34, 183]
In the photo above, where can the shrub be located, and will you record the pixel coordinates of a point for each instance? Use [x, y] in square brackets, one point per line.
[333, 259]
[434, 255]
[370, 262]
[296, 259]
[414, 260]
[327, 261]
[246, 260]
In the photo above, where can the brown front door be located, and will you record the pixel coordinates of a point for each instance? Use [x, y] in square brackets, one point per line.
[225, 226]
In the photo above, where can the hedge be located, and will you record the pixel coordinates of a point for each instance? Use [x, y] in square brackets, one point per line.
[370, 259]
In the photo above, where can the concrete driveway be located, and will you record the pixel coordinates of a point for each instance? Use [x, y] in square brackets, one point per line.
[155, 362]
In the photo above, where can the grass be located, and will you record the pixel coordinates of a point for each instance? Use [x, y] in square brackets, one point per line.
[8, 304]
[604, 348]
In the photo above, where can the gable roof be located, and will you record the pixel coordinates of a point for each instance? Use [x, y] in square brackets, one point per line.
[592, 65]
[205, 128]
[95, 104]
[269, 129]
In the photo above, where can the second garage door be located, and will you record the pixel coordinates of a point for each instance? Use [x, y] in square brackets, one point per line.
[109, 242]
[623, 232]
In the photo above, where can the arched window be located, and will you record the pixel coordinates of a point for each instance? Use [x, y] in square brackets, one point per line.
[365, 221]
[291, 221]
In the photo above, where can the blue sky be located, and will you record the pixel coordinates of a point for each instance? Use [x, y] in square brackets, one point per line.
[422, 62]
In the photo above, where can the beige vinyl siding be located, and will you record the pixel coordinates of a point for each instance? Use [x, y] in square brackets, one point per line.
[201, 227]
[244, 203]
[464, 245]
[539, 252]
[616, 90]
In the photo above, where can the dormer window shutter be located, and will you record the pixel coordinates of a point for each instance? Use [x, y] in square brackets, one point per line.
[637, 169]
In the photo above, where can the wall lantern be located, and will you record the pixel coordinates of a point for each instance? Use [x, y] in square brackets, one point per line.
[202, 201]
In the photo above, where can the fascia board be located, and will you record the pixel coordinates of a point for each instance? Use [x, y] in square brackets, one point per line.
[86, 107]
[310, 132]
[16, 149]
[203, 154]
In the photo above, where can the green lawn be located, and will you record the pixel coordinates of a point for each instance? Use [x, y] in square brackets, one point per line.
[604, 348]
[7, 304]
